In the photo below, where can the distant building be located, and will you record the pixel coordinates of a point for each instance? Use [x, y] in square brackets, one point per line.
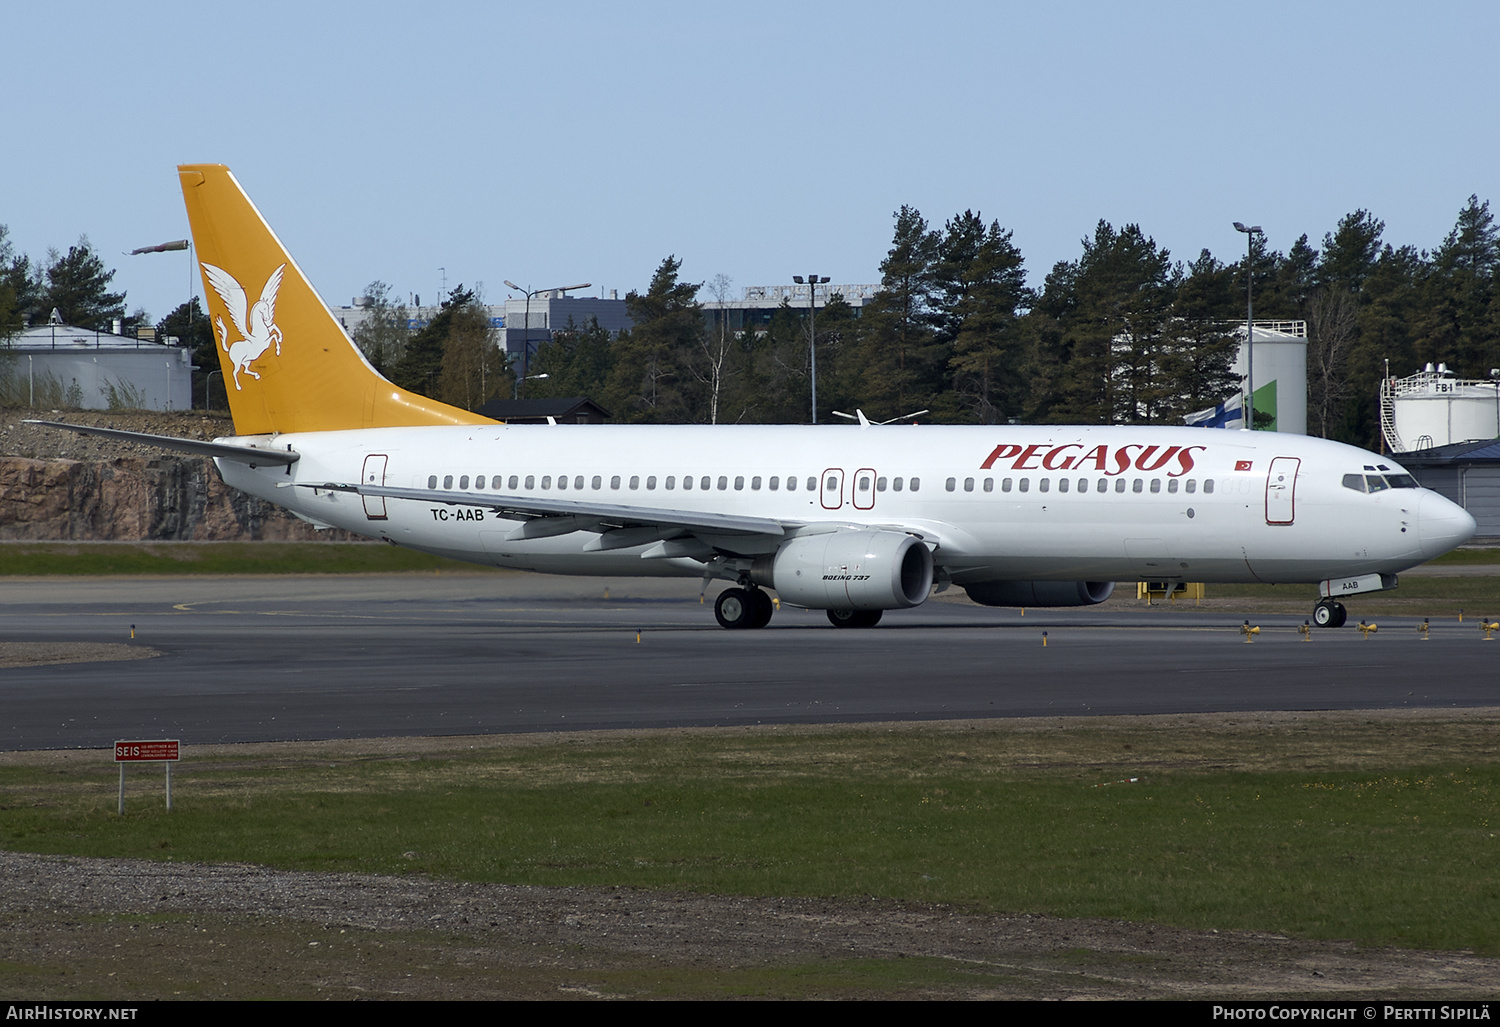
[519, 329]
[568, 410]
[757, 303]
[58, 365]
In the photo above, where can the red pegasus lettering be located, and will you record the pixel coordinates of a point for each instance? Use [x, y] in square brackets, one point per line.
[1161, 461]
[1122, 459]
[1100, 456]
[1000, 453]
[1029, 453]
[1185, 460]
[1049, 461]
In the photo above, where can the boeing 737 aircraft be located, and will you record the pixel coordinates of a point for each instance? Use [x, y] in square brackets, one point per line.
[854, 520]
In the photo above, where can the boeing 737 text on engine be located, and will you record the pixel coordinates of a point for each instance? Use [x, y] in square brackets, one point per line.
[854, 520]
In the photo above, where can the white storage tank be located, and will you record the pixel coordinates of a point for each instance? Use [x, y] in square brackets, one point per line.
[1435, 408]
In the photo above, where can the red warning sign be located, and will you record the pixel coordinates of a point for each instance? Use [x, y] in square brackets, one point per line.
[147, 750]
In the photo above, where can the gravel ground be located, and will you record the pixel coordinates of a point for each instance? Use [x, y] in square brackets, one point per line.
[132, 929]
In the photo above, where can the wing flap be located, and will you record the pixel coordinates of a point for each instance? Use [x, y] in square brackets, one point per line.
[605, 516]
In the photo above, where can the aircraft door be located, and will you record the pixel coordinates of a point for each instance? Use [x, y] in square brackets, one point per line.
[374, 474]
[864, 489]
[1281, 490]
[832, 491]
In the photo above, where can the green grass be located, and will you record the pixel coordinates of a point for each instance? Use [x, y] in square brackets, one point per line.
[1384, 832]
[217, 558]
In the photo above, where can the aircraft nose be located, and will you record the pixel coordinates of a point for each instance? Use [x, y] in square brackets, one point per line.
[1444, 525]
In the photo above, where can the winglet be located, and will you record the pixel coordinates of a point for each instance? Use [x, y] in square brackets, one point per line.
[288, 366]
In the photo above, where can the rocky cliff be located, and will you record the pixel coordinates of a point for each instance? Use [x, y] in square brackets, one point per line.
[58, 486]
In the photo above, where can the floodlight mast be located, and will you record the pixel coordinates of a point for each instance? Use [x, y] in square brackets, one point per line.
[812, 282]
[526, 331]
[1248, 413]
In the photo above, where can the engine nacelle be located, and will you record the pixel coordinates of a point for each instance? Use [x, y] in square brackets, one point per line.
[1040, 593]
[849, 570]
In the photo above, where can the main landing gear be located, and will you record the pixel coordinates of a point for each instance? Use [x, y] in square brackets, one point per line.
[1329, 614]
[743, 608]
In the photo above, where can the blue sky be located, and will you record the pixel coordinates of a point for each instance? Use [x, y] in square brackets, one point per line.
[553, 144]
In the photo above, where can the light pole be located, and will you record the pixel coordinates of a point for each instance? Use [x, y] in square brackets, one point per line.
[171, 247]
[514, 393]
[1250, 234]
[526, 332]
[812, 281]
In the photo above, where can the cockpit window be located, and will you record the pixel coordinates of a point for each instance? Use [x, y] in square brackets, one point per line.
[1379, 482]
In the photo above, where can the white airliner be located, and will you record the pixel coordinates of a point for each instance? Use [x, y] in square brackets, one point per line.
[854, 520]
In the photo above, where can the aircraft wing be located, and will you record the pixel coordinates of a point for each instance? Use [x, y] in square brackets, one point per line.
[255, 456]
[547, 516]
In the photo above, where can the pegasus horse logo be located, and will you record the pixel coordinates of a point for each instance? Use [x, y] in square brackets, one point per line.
[258, 329]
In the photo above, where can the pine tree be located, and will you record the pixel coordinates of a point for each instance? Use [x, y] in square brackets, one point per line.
[983, 280]
[903, 371]
[77, 287]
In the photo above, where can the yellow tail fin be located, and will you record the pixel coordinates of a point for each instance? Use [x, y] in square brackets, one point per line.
[288, 366]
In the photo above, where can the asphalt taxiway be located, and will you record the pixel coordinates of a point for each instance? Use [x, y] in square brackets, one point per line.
[270, 658]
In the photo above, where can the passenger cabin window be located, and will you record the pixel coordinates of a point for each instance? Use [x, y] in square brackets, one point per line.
[989, 484]
[513, 482]
[597, 483]
[432, 481]
[546, 481]
[651, 481]
[635, 482]
[812, 484]
[896, 484]
[775, 482]
[671, 482]
[463, 481]
[447, 481]
[531, 481]
[614, 481]
[968, 484]
[914, 484]
[952, 484]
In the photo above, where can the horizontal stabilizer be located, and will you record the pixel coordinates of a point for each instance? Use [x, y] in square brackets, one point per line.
[247, 454]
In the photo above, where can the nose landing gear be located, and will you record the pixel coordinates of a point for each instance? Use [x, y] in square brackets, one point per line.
[1329, 614]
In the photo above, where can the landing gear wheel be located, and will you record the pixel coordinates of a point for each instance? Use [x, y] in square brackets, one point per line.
[854, 618]
[762, 607]
[735, 608]
[1329, 614]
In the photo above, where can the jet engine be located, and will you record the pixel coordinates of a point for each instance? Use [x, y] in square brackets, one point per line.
[1040, 593]
[849, 570]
